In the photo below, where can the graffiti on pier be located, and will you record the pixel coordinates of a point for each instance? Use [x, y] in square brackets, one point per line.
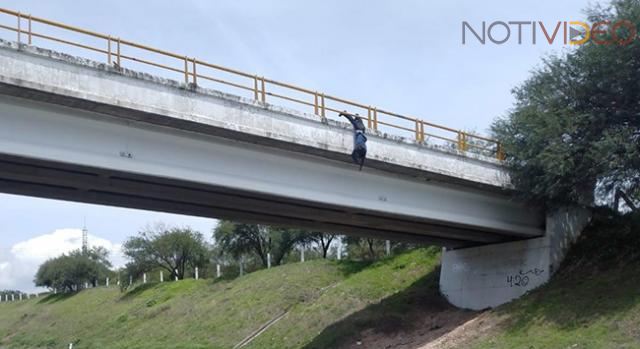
[523, 277]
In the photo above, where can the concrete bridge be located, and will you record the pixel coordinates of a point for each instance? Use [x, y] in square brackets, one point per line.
[83, 131]
[74, 129]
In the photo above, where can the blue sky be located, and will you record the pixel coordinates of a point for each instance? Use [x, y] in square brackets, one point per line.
[404, 56]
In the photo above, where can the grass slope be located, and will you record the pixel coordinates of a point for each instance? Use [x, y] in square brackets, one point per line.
[202, 314]
[593, 301]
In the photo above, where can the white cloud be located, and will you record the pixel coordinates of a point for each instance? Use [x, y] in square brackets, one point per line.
[19, 263]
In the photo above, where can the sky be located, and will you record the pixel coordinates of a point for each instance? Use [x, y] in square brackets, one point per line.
[403, 56]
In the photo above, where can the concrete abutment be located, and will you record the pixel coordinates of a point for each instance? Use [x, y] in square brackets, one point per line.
[488, 276]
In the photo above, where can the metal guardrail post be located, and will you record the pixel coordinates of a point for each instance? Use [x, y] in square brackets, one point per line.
[264, 92]
[109, 62]
[315, 103]
[29, 29]
[255, 87]
[375, 119]
[19, 16]
[500, 155]
[195, 74]
[118, 56]
[322, 106]
[186, 70]
[462, 142]
[369, 117]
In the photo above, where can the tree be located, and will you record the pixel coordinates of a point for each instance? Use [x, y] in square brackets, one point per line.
[171, 249]
[98, 254]
[574, 133]
[323, 240]
[364, 248]
[69, 272]
[238, 239]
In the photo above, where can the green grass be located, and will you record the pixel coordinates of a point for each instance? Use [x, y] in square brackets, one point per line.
[593, 302]
[204, 314]
[355, 293]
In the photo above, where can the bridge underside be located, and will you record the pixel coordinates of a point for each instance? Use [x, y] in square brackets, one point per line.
[98, 186]
[57, 152]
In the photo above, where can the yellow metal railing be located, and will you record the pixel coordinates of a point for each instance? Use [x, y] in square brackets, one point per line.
[192, 71]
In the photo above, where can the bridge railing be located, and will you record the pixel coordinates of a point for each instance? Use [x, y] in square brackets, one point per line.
[120, 52]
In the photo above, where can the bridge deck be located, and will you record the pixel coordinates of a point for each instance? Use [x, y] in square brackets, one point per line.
[78, 130]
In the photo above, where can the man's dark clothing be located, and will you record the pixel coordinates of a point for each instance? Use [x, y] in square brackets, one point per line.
[359, 139]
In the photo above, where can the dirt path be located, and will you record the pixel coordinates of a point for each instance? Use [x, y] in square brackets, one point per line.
[450, 328]
[429, 323]
[477, 327]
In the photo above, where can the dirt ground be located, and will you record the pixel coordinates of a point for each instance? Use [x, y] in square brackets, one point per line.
[447, 329]
[435, 325]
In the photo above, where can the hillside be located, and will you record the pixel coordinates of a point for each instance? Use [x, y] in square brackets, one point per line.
[592, 302]
[302, 298]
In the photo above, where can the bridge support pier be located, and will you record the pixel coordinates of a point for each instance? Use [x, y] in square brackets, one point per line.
[488, 276]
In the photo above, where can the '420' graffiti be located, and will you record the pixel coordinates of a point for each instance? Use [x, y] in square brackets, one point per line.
[522, 278]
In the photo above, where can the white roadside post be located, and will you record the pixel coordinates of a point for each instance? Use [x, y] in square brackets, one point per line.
[144, 278]
[13, 297]
[268, 260]
[218, 272]
[176, 270]
[197, 276]
[241, 268]
[388, 247]
[130, 280]
[107, 282]
[20, 296]
[161, 276]
[301, 253]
